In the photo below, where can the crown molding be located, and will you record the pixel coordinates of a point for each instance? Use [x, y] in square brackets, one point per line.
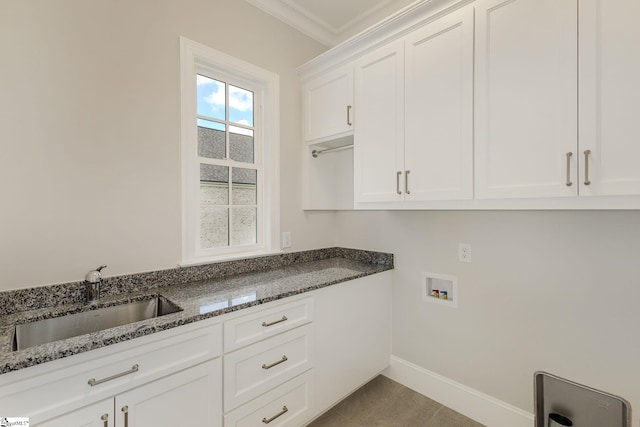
[298, 20]
[391, 28]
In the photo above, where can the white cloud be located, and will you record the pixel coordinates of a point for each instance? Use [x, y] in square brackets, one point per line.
[216, 99]
[240, 99]
[216, 96]
[202, 80]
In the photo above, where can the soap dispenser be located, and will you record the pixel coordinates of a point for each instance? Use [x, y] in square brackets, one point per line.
[92, 282]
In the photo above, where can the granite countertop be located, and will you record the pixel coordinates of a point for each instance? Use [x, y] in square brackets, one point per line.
[199, 300]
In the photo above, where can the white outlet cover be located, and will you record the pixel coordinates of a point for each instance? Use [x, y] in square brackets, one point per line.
[286, 239]
[464, 252]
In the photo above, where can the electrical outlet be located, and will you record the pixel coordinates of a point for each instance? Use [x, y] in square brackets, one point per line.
[464, 252]
[286, 239]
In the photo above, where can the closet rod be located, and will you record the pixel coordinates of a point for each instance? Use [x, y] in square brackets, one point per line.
[315, 153]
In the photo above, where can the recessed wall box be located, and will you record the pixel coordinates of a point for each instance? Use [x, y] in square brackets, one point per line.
[440, 289]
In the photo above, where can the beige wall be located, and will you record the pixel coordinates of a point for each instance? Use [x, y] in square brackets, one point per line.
[552, 291]
[90, 127]
[89, 174]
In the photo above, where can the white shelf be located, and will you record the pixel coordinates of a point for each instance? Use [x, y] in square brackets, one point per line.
[328, 178]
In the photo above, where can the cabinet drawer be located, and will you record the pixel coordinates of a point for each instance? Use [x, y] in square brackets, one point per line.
[253, 370]
[252, 328]
[295, 395]
[61, 386]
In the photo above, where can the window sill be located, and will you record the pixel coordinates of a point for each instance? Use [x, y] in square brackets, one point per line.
[230, 257]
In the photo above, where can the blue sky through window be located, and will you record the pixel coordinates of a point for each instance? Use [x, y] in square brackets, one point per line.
[211, 101]
[210, 125]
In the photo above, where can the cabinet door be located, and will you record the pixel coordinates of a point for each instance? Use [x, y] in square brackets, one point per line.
[97, 415]
[328, 103]
[526, 98]
[439, 109]
[192, 397]
[609, 95]
[352, 346]
[379, 136]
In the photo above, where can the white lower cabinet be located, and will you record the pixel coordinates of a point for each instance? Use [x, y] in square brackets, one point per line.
[155, 374]
[190, 397]
[323, 347]
[266, 323]
[268, 365]
[256, 369]
[97, 415]
[285, 363]
[287, 405]
[353, 336]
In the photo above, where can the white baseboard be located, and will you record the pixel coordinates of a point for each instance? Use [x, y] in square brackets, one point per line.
[469, 402]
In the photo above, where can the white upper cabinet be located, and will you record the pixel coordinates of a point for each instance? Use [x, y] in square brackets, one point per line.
[496, 104]
[414, 140]
[328, 105]
[526, 99]
[609, 97]
[379, 136]
[438, 144]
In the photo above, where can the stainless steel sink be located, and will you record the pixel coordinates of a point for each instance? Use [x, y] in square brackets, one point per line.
[58, 328]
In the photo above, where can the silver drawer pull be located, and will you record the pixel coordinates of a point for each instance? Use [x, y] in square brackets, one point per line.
[568, 182]
[266, 325]
[398, 182]
[125, 410]
[586, 167]
[105, 419]
[265, 366]
[279, 414]
[93, 382]
[406, 182]
[349, 123]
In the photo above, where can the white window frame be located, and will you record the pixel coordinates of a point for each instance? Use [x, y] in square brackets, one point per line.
[195, 57]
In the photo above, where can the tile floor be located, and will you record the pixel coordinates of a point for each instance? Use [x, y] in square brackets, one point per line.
[385, 403]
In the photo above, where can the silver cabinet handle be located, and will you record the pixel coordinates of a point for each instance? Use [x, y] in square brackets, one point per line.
[275, 322]
[105, 419]
[398, 182]
[586, 167]
[93, 382]
[406, 182]
[349, 107]
[569, 183]
[279, 414]
[125, 411]
[265, 366]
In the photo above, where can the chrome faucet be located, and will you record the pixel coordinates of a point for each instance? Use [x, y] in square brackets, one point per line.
[92, 282]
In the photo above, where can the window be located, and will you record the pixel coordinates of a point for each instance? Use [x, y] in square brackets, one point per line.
[229, 156]
[229, 175]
